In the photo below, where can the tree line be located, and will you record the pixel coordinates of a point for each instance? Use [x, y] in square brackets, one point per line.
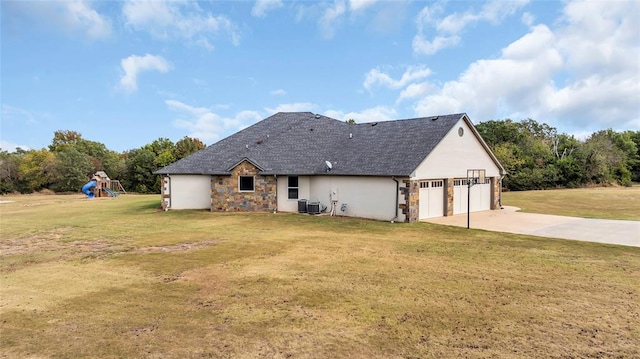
[534, 154]
[70, 160]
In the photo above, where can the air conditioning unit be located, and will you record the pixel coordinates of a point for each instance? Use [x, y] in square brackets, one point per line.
[313, 207]
[302, 206]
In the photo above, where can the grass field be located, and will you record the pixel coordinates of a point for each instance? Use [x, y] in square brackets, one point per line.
[603, 202]
[117, 278]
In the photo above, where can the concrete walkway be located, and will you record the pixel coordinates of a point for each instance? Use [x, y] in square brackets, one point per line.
[609, 231]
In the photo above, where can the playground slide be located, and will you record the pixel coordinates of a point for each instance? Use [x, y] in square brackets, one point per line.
[86, 189]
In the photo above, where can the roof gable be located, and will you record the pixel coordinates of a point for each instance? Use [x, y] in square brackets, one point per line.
[460, 149]
[248, 160]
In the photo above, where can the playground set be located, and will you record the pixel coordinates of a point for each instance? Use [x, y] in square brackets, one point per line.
[101, 186]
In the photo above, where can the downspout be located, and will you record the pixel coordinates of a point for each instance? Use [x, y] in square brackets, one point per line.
[502, 176]
[397, 197]
[275, 210]
[168, 206]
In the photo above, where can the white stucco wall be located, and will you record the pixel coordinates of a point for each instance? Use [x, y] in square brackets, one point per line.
[366, 197]
[190, 191]
[454, 155]
[291, 205]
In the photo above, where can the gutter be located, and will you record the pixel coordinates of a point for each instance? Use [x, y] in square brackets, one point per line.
[397, 197]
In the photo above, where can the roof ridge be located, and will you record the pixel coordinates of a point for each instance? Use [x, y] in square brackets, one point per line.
[456, 116]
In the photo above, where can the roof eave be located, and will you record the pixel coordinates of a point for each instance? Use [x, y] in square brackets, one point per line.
[484, 144]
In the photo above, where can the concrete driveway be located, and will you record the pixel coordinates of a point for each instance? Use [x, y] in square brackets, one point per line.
[609, 231]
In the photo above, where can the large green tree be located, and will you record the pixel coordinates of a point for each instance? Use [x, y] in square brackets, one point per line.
[187, 146]
[37, 170]
[101, 158]
[73, 170]
[9, 175]
[635, 161]
[526, 150]
[608, 157]
[536, 156]
[139, 169]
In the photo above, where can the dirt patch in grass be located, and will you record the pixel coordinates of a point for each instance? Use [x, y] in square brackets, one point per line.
[53, 241]
[180, 247]
[51, 245]
[41, 286]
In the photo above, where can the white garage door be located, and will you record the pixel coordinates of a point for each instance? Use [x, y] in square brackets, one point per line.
[459, 196]
[480, 198]
[431, 202]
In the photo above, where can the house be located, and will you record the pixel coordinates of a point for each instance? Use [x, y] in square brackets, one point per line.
[403, 170]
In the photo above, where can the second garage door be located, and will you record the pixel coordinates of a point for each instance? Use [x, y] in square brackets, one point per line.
[480, 198]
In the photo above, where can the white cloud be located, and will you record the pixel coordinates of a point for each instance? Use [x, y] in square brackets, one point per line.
[358, 5]
[67, 16]
[414, 91]
[375, 114]
[601, 37]
[332, 15]
[493, 12]
[16, 114]
[133, 65]
[426, 47]
[331, 18]
[599, 41]
[375, 77]
[11, 147]
[606, 101]
[582, 75]
[278, 92]
[487, 85]
[178, 20]
[449, 28]
[528, 19]
[80, 15]
[292, 107]
[208, 126]
[261, 7]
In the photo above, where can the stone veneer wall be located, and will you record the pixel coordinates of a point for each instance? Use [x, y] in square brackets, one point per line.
[495, 193]
[412, 200]
[448, 204]
[226, 195]
[164, 193]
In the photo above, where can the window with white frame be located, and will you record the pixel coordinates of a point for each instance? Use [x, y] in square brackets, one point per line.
[292, 187]
[246, 183]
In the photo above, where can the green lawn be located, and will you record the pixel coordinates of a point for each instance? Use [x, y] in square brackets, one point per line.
[603, 202]
[117, 278]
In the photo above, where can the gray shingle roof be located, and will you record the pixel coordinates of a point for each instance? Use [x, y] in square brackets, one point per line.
[299, 143]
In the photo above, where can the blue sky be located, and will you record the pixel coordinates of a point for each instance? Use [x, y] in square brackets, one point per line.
[127, 72]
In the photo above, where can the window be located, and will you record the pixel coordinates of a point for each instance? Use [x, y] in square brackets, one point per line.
[424, 184]
[293, 187]
[246, 183]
